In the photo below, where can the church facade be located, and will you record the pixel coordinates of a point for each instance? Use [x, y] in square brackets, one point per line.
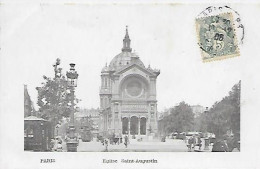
[128, 102]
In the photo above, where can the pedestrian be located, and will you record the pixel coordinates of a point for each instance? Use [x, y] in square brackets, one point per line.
[190, 142]
[226, 148]
[52, 144]
[106, 144]
[113, 138]
[126, 141]
[103, 141]
[220, 146]
[199, 143]
[117, 139]
[185, 138]
[120, 138]
[193, 141]
[66, 138]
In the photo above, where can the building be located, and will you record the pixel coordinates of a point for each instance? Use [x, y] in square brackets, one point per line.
[28, 104]
[37, 134]
[128, 95]
[197, 110]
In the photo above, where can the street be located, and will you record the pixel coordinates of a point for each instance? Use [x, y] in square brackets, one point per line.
[170, 145]
[135, 146]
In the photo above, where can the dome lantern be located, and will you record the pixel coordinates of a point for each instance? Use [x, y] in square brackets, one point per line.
[126, 42]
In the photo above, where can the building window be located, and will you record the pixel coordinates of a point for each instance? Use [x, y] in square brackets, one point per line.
[152, 114]
[152, 107]
[116, 107]
[105, 82]
[28, 132]
[116, 115]
[101, 103]
[106, 102]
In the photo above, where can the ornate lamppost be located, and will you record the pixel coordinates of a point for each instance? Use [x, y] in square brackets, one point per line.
[72, 77]
[207, 140]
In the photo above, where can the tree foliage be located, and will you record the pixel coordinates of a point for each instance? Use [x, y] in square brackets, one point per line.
[225, 115]
[54, 96]
[180, 119]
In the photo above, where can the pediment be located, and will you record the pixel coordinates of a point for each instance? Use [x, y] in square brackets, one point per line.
[135, 68]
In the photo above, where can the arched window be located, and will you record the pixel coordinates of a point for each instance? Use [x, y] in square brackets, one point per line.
[116, 115]
[101, 102]
[106, 102]
[105, 82]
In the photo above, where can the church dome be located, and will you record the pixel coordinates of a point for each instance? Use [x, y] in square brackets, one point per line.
[126, 57]
[123, 59]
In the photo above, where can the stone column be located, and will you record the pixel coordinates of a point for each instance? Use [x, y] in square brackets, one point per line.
[139, 126]
[129, 119]
[147, 126]
[120, 115]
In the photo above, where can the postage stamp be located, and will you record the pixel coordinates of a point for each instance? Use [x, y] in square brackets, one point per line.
[217, 37]
[237, 21]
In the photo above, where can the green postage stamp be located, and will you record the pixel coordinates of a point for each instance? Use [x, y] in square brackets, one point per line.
[217, 37]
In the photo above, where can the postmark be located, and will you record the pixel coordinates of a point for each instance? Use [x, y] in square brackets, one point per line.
[217, 33]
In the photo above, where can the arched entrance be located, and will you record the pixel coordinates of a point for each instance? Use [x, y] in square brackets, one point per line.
[143, 126]
[125, 122]
[134, 125]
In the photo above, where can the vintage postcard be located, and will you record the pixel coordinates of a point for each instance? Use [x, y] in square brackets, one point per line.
[129, 85]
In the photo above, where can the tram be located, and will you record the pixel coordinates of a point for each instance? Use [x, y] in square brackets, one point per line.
[86, 134]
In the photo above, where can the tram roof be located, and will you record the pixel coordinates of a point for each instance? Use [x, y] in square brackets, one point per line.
[34, 118]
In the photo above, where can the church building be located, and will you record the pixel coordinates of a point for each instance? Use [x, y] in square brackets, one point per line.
[128, 95]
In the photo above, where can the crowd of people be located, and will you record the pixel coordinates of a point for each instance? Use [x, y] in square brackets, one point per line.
[113, 140]
[222, 144]
[56, 144]
[194, 141]
[207, 141]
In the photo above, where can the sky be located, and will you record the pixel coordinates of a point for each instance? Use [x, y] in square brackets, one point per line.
[33, 36]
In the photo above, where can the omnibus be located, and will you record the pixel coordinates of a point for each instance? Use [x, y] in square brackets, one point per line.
[85, 133]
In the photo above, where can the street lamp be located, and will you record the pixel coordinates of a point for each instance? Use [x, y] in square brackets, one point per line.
[207, 118]
[207, 140]
[72, 77]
